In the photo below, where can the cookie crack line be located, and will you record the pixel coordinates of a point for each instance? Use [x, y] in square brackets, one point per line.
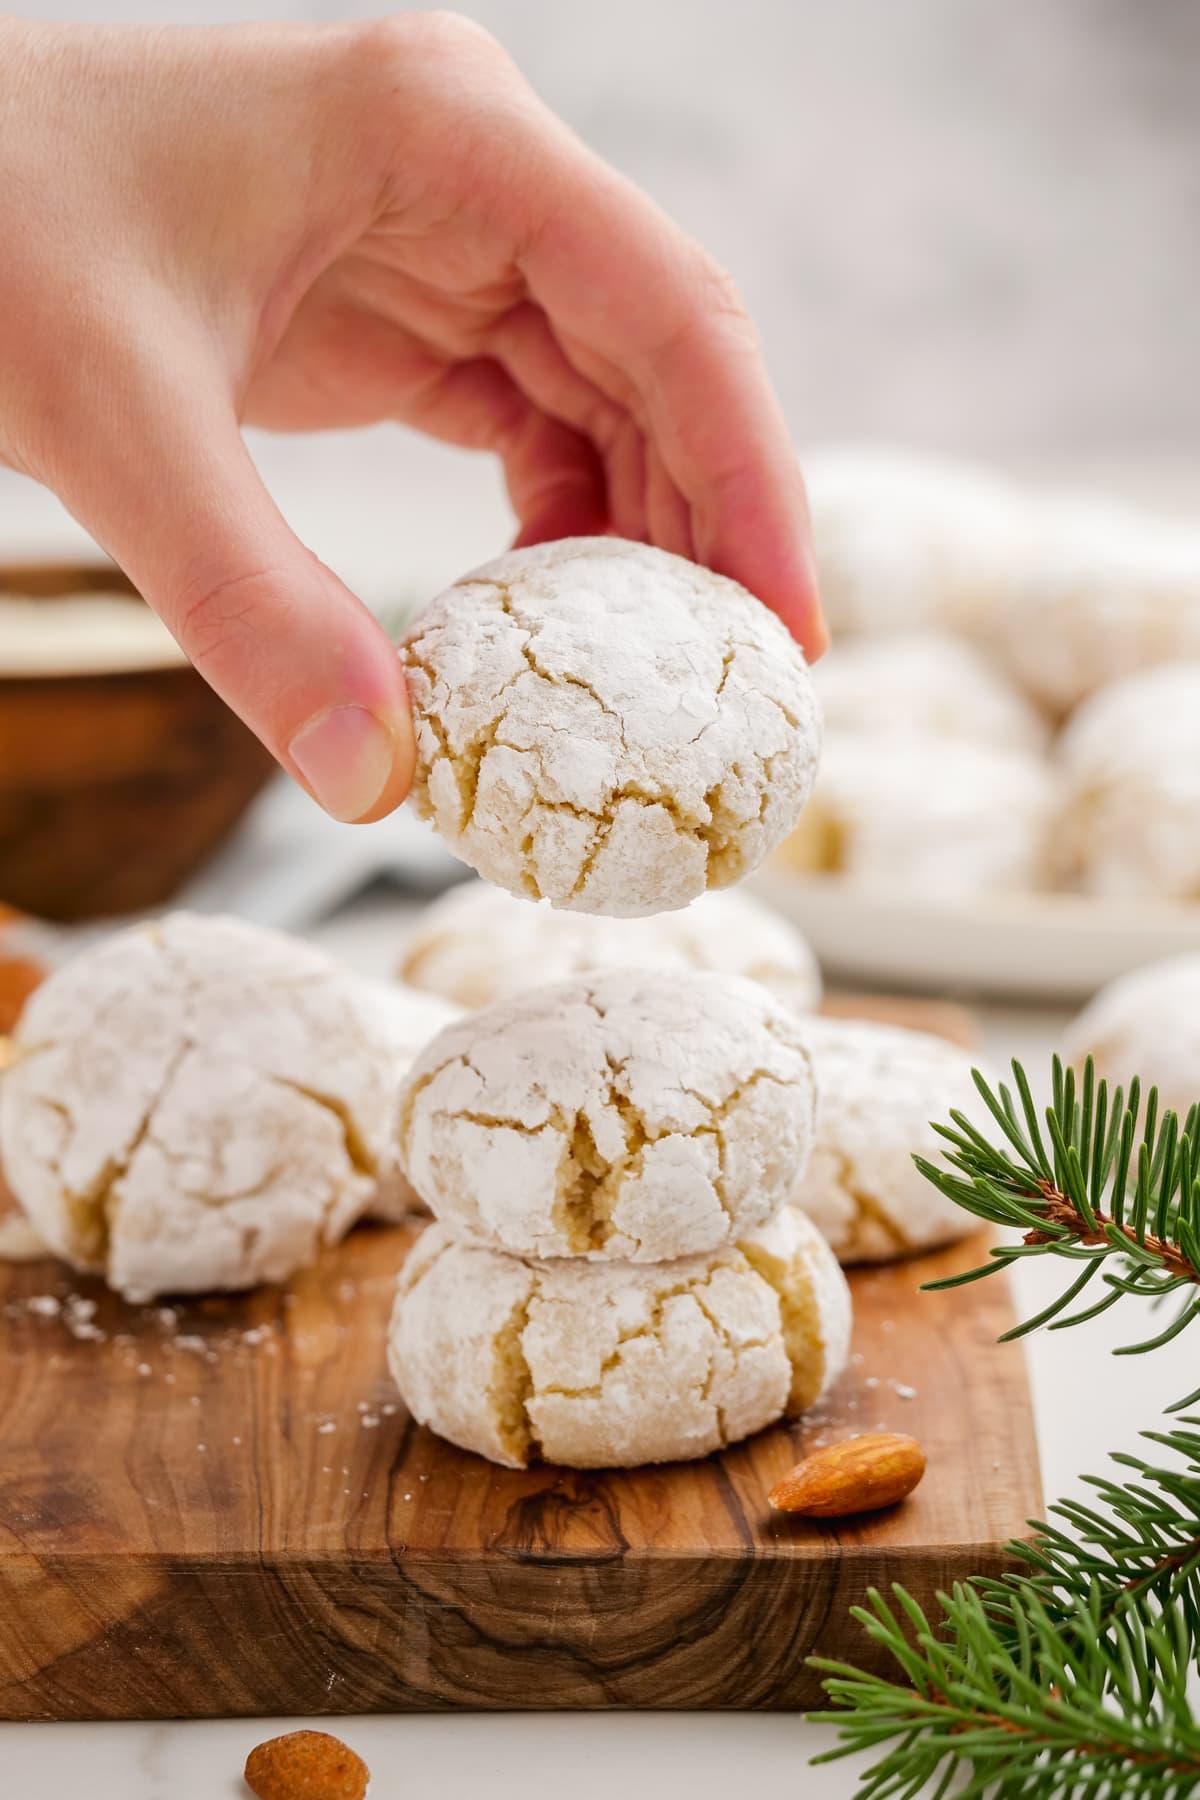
[546, 825]
[651, 1329]
[91, 1211]
[564, 677]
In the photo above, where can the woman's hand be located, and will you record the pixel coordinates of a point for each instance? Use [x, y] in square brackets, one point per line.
[306, 227]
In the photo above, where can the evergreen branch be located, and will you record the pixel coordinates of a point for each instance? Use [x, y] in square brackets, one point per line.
[1098, 1178]
[1146, 1547]
[1038, 1710]
[1070, 1676]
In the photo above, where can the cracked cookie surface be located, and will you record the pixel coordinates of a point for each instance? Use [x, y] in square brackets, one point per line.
[405, 1019]
[477, 944]
[630, 1115]
[607, 726]
[611, 1366]
[879, 1086]
[197, 1104]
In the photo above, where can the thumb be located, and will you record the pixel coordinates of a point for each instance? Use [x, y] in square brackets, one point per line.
[169, 489]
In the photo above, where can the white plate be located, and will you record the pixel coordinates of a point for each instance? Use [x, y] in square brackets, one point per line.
[1029, 946]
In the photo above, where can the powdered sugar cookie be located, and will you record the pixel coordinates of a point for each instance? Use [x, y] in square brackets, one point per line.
[904, 811]
[1105, 590]
[404, 1018]
[928, 684]
[1130, 761]
[1146, 1023]
[196, 1104]
[906, 540]
[628, 1115]
[879, 1087]
[612, 1365]
[607, 726]
[477, 944]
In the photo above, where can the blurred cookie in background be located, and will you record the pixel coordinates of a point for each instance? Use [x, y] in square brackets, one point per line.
[1130, 769]
[916, 813]
[928, 683]
[906, 540]
[1146, 1023]
[1106, 589]
[478, 944]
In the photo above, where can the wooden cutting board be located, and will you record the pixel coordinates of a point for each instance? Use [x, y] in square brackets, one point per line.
[221, 1508]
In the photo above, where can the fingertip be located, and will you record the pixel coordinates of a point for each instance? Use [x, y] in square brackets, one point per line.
[356, 764]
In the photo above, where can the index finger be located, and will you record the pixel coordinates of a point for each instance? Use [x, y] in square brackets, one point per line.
[633, 292]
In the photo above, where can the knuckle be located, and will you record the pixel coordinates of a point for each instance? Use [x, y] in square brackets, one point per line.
[211, 616]
[393, 43]
[722, 298]
[455, 33]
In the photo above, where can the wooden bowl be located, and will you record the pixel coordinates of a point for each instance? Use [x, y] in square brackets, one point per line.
[114, 787]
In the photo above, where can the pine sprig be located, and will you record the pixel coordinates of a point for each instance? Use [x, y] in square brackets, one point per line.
[1052, 1707]
[1098, 1178]
[1070, 1676]
[1142, 1543]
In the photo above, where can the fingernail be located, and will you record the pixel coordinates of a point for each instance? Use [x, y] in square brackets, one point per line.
[346, 756]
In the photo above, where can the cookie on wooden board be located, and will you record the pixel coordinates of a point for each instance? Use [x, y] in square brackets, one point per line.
[478, 944]
[603, 1365]
[405, 1019]
[631, 1115]
[879, 1087]
[607, 726]
[197, 1104]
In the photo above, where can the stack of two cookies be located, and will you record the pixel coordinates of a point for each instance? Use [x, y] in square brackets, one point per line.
[614, 1276]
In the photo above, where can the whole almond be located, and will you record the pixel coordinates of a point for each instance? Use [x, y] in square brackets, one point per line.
[306, 1765]
[860, 1475]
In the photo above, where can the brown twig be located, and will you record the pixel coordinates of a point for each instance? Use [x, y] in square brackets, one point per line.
[1062, 1212]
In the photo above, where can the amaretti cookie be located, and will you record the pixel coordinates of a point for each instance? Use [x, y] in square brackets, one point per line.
[478, 944]
[906, 540]
[196, 1104]
[1146, 1023]
[608, 727]
[404, 1018]
[911, 813]
[879, 1088]
[927, 684]
[602, 1365]
[1130, 763]
[1105, 590]
[631, 1115]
